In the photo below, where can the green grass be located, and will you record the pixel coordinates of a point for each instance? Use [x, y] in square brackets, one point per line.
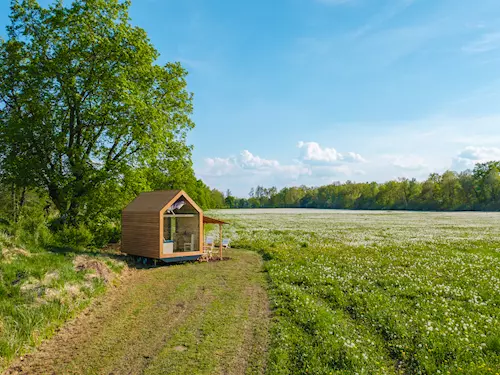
[382, 293]
[39, 291]
[229, 333]
[194, 318]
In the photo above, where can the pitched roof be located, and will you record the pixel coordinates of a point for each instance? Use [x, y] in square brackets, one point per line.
[152, 201]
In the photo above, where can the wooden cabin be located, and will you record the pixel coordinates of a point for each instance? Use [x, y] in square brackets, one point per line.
[165, 225]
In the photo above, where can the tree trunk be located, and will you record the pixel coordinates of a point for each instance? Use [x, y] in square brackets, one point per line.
[57, 198]
[73, 213]
[13, 202]
[22, 200]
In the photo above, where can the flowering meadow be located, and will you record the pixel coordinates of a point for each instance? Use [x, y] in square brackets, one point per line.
[371, 292]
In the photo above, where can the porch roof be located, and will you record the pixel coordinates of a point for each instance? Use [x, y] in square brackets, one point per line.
[211, 220]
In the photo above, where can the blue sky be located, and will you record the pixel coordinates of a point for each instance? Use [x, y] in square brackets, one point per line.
[291, 92]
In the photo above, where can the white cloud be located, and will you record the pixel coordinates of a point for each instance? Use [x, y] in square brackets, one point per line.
[472, 155]
[250, 161]
[246, 162]
[406, 162]
[325, 161]
[313, 152]
[480, 153]
[219, 166]
[353, 157]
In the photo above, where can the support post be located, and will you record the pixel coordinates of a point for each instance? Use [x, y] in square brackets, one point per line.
[220, 241]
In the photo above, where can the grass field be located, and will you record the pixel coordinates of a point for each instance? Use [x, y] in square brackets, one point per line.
[378, 292]
[195, 318]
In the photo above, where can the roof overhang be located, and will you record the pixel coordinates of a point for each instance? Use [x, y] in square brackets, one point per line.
[211, 220]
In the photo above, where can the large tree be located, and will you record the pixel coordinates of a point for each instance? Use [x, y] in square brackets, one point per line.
[83, 100]
[487, 182]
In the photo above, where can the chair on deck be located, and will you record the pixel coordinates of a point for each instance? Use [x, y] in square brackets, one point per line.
[208, 248]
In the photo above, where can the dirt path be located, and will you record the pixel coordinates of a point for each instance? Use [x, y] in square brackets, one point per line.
[201, 318]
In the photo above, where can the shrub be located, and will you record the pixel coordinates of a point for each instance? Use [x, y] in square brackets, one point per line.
[33, 231]
[73, 237]
[105, 233]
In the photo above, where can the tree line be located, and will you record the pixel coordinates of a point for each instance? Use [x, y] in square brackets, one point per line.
[477, 189]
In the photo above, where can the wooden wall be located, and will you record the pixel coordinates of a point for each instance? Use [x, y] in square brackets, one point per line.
[141, 233]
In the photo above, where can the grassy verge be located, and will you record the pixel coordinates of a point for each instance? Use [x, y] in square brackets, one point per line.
[40, 290]
[196, 318]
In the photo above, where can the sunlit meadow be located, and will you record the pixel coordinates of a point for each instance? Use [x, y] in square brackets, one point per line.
[378, 292]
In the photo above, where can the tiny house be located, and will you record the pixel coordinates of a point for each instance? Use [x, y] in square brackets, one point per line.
[165, 225]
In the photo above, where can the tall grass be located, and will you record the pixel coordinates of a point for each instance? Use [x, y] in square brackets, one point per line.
[40, 286]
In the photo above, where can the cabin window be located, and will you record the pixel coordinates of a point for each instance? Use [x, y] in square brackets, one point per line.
[181, 230]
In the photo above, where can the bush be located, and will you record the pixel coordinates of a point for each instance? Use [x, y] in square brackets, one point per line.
[33, 231]
[30, 229]
[105, 233]
[73, 237]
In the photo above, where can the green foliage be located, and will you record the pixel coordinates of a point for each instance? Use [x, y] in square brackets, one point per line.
[88, 121]
[84, 105]
[229, 201]
[106, 233]
[470, 190]
[493, 344]
[218, 199]
[76, 238]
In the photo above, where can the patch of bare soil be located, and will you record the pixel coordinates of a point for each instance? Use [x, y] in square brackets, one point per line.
[101, 270]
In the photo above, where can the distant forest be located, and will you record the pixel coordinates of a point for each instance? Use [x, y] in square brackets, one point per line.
[477, 190]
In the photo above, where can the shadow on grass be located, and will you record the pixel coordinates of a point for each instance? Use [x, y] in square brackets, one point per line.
[113, 252]
[105, 253]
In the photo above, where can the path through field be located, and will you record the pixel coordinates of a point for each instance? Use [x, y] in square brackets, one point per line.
[202, 318]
